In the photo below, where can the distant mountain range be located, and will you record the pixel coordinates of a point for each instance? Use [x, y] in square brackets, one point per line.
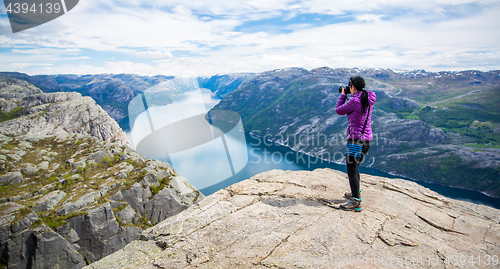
[439, 127]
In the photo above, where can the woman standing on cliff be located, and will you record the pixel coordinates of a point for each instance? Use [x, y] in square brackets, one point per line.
[359, 134]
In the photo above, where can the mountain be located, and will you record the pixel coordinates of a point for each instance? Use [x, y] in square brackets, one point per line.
[112, 92]
[221, 85]
[34, 112]
[282, 219]
[72, 190]
[437, 127]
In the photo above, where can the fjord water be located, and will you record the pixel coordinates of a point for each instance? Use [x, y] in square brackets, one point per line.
[265, 155]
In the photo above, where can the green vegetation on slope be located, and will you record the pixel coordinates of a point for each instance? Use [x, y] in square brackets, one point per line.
[476, 115]
[16, 112]
[448, 169]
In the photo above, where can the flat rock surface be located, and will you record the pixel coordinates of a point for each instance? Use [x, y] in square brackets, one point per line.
[287, 219]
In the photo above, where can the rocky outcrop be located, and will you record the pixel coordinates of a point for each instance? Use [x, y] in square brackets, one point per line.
[14, 88]
[25, 247]
[54, 113]
[71, 199]
[283, 219]
[71, 189]
[112, 92]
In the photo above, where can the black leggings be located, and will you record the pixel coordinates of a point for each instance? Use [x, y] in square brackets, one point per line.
[352, 164]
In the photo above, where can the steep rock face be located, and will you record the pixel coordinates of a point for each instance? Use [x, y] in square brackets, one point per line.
[52, 249]
[64, 164]
[71, 199]
[53, 113]
[284, 219]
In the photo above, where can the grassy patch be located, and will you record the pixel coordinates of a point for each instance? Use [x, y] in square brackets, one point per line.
[144, 222]
[156, 189]
[21, 214]
[474, 123]
[37, 223]
[4, 207]
[107, 160]
[120, 208]
[54, 221]
[481, 146]
[16, 112]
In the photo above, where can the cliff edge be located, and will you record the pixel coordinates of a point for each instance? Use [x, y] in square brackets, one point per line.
[71, 189]
[282, 219]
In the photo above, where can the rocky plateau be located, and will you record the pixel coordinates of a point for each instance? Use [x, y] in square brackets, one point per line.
[285, 219]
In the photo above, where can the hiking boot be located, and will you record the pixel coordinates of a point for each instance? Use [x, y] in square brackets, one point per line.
[353, 205]
[349, 196]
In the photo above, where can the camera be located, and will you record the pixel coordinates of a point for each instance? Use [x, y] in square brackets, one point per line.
[347, 89]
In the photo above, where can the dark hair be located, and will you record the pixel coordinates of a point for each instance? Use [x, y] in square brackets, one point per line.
[359, 83]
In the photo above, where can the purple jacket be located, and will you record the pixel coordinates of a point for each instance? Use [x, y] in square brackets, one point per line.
[354, 115]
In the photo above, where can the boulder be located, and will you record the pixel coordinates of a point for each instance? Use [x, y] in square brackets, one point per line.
[30, 169]
[99, 234]
[53, 250]
[181, 185]
[165, 204]
[124, 157]
[162, 174]
[127, 215]
[24, 223]
[44, 165]
[100, 155]
[150, 180]
[85, 200]
[49, 201]
[12, 178]
[34, 138]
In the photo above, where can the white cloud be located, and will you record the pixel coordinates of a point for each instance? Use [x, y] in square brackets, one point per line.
[369, 17]
[130, 67]
[154, 55]
[205, 38]
[46, 51]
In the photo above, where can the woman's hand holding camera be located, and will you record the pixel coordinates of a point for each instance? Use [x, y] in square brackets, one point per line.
[345, 90]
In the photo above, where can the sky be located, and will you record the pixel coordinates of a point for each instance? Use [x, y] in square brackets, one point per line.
[204, 38]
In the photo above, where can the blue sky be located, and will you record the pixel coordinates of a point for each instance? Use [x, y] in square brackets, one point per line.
[203, 38]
